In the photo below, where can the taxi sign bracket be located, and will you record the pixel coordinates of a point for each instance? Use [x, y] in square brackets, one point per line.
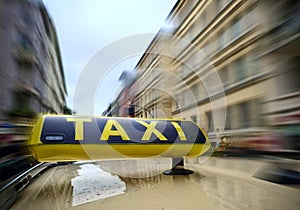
[178, 168]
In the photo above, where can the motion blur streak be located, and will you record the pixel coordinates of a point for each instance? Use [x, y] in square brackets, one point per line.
[253, 46]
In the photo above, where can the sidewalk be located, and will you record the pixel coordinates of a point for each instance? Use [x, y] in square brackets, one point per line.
[276, 170]
[290, 154]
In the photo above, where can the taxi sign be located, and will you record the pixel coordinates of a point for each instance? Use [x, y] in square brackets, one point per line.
[69, 138]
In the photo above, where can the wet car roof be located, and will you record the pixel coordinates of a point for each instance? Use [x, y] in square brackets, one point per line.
[139, 183]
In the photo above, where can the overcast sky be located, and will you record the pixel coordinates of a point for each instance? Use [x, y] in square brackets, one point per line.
[85, 27]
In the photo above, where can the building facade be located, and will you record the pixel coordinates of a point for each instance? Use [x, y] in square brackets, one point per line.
[227, 33]
[242, 53]
[279, 57]
[31, 73]
[211, 38]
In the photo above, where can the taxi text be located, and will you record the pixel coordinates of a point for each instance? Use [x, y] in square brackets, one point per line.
[114, 128]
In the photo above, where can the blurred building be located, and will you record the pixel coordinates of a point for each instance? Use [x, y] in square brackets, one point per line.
[123, 105]
[228, 33]
[31, 72]
[209, 37]
[279, 57]
[243, 51]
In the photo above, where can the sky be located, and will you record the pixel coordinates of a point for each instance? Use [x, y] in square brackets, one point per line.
[86, 27]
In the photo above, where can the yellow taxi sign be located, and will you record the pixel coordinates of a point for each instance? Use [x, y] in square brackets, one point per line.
[63, 138]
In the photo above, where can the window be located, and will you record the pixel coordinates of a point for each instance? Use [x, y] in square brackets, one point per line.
[196, 91]
[184, 70]
[244, 110]
[250, 18]
[220, 4]
[221, 39]
[26, 16]
[191, 63]
[25, 72]
[212, 84]
[204, 17]
[289, 79]
[236, 28]
[202, 90]
[224, 74]
[239, 116]
[228, 118]
[240, 69]
[194, 118]
[210, 12]
[192, 32]
[25, 41]
[187, 97]
[21, 99]
[178, 101]
[183, 101]
[210, 121]
[209, 48]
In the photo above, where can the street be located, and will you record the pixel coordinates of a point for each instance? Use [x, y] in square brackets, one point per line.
[105, 105]
[218, 183]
